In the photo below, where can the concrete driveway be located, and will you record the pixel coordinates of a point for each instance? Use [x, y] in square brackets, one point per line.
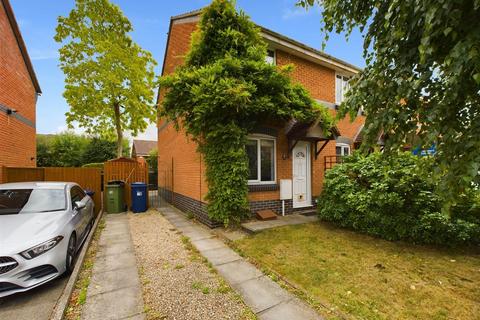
[34, 304]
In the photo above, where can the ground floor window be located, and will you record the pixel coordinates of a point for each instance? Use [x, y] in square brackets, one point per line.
[261, 160]
[343, 149]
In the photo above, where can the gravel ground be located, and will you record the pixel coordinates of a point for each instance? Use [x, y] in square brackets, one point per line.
[177, 282]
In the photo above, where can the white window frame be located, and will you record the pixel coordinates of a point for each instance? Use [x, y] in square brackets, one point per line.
[258, 138]
[343, 145]
[274, 56]
[342, 76]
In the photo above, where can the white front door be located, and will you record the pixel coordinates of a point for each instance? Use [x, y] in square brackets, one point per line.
[301, 175]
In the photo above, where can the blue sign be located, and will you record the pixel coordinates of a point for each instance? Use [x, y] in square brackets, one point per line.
[422, 152]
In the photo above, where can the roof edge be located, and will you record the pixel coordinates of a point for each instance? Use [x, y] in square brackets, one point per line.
[188, 14]
[281, 37]
[21, 44]
[308, 48]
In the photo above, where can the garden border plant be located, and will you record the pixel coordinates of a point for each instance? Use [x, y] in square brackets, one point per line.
[393, 196]
[225, 89]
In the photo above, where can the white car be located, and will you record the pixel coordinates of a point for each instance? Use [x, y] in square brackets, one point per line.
[42, 227]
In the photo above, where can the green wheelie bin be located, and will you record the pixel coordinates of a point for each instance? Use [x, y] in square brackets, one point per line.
[115, 196]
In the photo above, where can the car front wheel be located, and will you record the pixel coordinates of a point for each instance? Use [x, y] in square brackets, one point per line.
[71, 254]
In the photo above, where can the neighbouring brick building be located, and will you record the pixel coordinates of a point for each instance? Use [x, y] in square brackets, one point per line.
[19, 90]
[276, 153]
[142, 148]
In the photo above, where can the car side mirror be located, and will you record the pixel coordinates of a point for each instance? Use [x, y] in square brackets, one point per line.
[79, 205]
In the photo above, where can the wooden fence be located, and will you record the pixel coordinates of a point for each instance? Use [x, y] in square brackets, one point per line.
[127, 170]
[87, 178]
[11, 174]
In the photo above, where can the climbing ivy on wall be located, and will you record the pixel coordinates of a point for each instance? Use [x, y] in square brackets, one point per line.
[224, 89]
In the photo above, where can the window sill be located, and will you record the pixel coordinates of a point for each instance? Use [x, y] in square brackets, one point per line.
[263, 187]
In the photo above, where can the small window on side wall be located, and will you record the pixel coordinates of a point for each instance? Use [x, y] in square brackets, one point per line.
[261, 160]
[341, 87]
[270, 58]
[342, 149]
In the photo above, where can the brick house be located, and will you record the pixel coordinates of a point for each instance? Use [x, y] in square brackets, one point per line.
[277, 152]
[19, 90]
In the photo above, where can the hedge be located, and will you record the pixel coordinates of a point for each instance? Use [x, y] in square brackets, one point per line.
[93, 165]
[393, 197]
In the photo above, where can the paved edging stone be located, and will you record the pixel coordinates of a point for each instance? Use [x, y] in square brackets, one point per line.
[115, 290]
[264, 296]
[62, 303]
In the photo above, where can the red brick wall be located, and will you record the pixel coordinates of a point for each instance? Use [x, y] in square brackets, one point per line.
[178, 45]
[317, 79]
[348, 128]
[188, 167]
[17, 140]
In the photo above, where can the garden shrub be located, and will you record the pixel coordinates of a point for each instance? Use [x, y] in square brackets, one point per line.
[393, 197]
[93, 165]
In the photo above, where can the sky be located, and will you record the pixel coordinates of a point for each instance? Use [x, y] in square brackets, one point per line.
[150, 20]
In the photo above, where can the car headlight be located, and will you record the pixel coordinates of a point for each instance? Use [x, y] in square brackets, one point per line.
[41, 248]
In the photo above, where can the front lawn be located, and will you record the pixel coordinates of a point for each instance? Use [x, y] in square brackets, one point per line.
[368, 278]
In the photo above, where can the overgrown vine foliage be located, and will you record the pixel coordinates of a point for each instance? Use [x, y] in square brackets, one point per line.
[224, 89]
[421, 85]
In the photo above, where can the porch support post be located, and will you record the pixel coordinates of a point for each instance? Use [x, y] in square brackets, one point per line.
[317, 152]
[291, 146]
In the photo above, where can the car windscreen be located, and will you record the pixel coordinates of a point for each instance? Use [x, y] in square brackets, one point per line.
[18, 201]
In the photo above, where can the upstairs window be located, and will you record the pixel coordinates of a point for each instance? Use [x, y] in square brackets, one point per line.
[341, 87]
[270, 58]
[261, 160]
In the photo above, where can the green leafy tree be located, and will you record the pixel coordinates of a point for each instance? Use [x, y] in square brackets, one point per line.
[422, 81]
[109, 79]
[223, 90]
[67, 150]
[44, 151]
[152, 160]
[101, 150]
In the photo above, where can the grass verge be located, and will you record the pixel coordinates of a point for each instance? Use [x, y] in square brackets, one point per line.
[348, 275]
[79, 294]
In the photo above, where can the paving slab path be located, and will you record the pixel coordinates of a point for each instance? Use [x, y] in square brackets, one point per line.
[293, 219]
[264, 296]
[115, 290]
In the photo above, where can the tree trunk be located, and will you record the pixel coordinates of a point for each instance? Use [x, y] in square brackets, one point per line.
[118, 128]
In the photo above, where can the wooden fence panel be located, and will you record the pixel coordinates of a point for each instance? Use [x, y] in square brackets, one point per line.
[87, 178]
[14, 174]
[126, 170]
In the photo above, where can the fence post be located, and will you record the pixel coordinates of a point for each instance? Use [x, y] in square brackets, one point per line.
[147, 176]
[3, 174]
